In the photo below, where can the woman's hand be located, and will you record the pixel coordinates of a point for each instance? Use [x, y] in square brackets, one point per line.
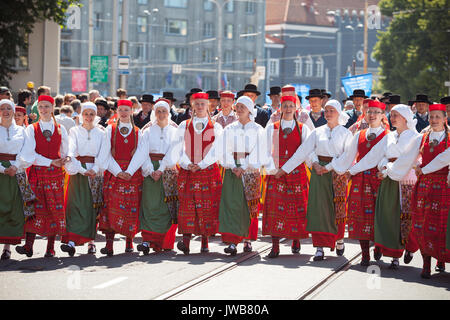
[156, 175]
[280, 173]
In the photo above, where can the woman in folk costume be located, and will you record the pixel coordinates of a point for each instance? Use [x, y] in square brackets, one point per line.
[392, 211]
[226, 116]
[430, 200]
[122, 183]
[20, 116]
[15, 156]
[367, 147]
[362, 122]
[199, 180]
[89, 153]
[284, 213]
[326, 212]
[159, 204]
[49, 140]
[241, 154]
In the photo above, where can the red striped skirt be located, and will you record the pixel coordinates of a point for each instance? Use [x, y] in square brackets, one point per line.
[284, 210]
[122, 199]
[361, 204]
[430, 205]
[48, 185]
[199, 196]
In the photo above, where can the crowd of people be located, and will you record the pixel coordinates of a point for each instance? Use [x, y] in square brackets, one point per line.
[71, 166]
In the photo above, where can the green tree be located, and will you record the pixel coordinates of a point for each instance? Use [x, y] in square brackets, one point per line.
[17, 20]
[414, 51]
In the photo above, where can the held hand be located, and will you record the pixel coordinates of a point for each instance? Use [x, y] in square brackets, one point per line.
[318, 168]
[90, 173]
[280, 173]
[348, 175]
[57, 163]
[65, 160]
[33, 116]
[156, 175]
[195, 168]
[380, 175]
[238, 172]
[418, 171]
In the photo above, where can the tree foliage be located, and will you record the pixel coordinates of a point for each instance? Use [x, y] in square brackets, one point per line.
[17, 20]
[414, 52]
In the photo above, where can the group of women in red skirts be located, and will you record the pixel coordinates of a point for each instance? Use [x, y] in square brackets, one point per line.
[389, 188]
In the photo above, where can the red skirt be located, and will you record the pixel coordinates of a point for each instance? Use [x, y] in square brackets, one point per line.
[361, 204]
[328, 240]
[199, 196]
[284, 211]
[122, 199]
[48, 185]
[160, 240]
[430, 205]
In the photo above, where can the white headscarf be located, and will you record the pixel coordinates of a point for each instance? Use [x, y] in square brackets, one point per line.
[406, 112]
[343, 116]
[246, 101]
[86, 106]
[159, 104]
[9, 102]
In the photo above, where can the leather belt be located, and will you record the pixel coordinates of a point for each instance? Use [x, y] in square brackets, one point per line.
[325, 159]
[240, 155]
[86, 159]
[156, 156]
[392, 159]
[7, 157]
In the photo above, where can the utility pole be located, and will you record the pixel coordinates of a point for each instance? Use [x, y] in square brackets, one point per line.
[114, 53]
[124, 39]
[91, 39]
[366, 16]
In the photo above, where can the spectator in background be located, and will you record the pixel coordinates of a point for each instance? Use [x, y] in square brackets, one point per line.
[121, 93]
[84, 97]
[5, 93]
[93, 94]
[103, 111]
[76, 106]
[68, 98]
[65, 117]
[24, 99]
[59, 101]
[136, 104]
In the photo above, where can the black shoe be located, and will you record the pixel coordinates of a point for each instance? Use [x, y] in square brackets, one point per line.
[49, 253]
[440, 267]
[128, 250]
[204, 250]
[273, 254]
[144, 249]
[394, 265]
[23, 250]
[247, 247]
[425, 275]
[69, 249]
[109, 253]
[340, 252]
[6, 255]
[319, 257]
[91, 249]
[295, 248]
[231, 250]
[377, 253]
[182, 247]
[365, 263]
[407, 257]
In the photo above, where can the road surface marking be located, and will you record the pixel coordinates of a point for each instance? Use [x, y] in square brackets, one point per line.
[110, 283]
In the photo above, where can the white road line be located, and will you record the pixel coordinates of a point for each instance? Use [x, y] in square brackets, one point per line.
[110, 283]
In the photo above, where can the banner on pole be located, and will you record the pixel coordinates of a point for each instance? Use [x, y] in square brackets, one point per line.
[361, 81]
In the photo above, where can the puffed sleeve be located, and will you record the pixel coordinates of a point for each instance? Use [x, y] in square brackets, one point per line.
[211, 156]
[26, 156]
[399, 168]
[103, 156]
[371, 159]
[342, 163]
[113, 166]
[74, 166]
[139, 156]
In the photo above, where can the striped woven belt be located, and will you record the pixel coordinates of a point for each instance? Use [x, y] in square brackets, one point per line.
[325, 159]
[86, 159]
[392, 159]
[7, 157]
[240, 155]
[156, 156]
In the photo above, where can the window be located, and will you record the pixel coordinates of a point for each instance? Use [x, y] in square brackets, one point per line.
[176, 27]
[142, 2]
[249, 33]
[298, 66]
[249, 59]
[98, 22]
[228, 58]
[274, 67]
[142, 24]
[175, 3]
[228, 31]
[320, 66]
[179, 81]
[229, 6]
[140, 52]
[207, 82]
[176, 54]
[250, 7]
[65, 50]
[208, 5]
[309, 67]
[208, 30]
[207, 55]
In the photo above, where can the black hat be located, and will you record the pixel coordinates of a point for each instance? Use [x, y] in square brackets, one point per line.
[445, 100]
[314, 93]
[325, 93]
[147, 98]
[274, 91]
[410, 103]
[213, 94]
[169, 96]
[422, 98]
[358, 93]
[102, 102]
[184, 103]
[394, 99]
[251, 88]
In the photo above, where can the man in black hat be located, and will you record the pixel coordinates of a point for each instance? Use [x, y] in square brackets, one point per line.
[275, 98]
[188, 111]
[422, 103]
[143, 117]
[315, 102]
[214, 101]
[357, 97]
[169, 96]
[385, 97]
[446, 101]
[251, 91]
[325, 97]
[102, 111]
[393, 100]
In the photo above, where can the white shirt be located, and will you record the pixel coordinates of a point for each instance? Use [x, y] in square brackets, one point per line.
[113, 166]
[19, 144]
[91, 144]
[344, 163]
[297, 158]
[248, 138]
[211, 157]
[65, 121]
[39, 159]
[156, 140]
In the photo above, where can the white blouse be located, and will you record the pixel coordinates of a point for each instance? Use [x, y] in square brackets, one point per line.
[49, 125]
[345, 162]
[211, 157]
[297, 158]
[92, 144]
[248, 138]
[113, 166]
[155, 140]
[19, 143]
